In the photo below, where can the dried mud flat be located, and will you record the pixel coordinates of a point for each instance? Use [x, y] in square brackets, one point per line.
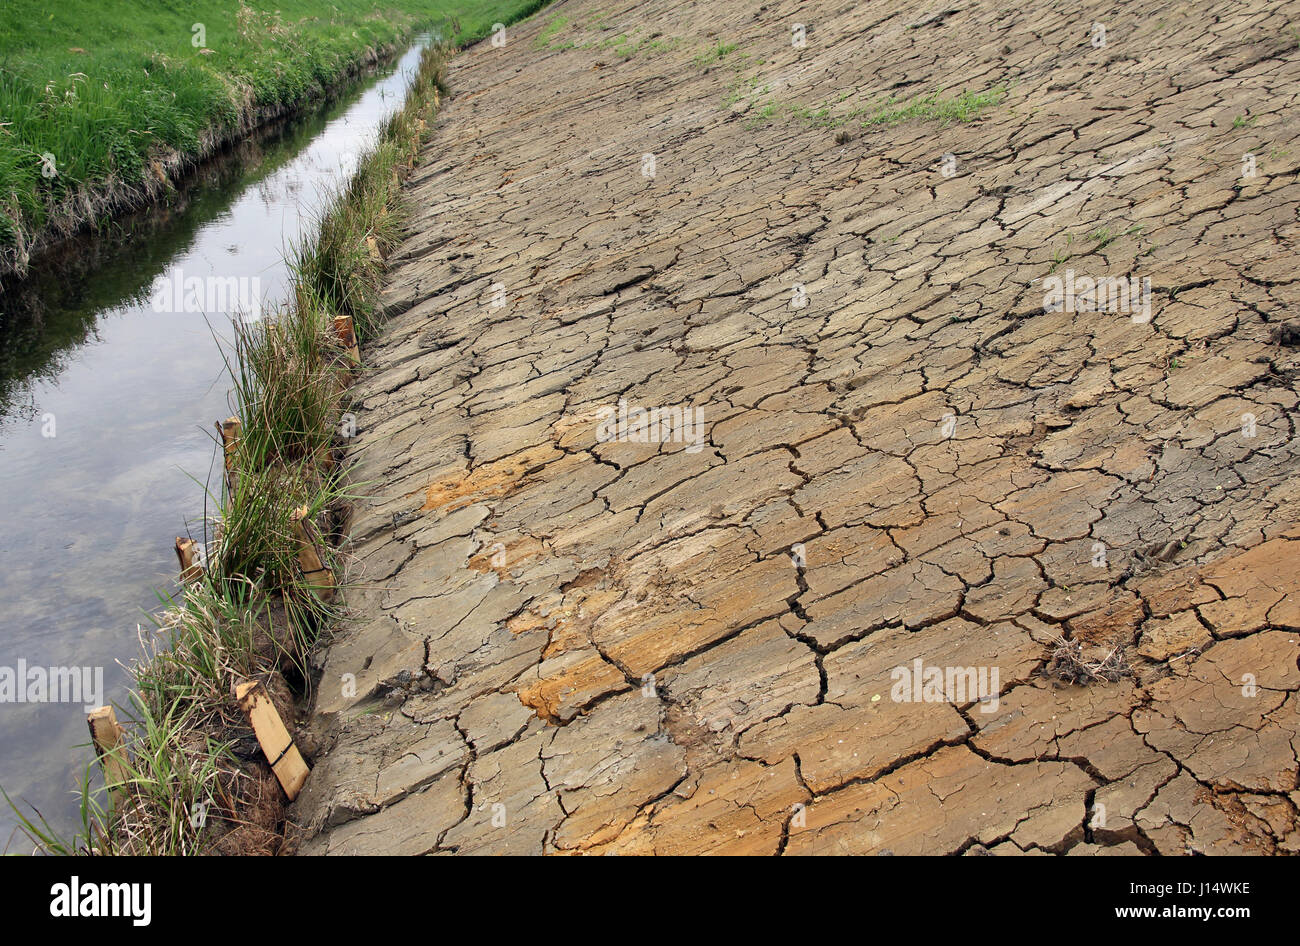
[570, 643]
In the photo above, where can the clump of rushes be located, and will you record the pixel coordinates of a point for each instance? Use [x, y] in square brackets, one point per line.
[196, 782]
[340, 272]
[935, 107]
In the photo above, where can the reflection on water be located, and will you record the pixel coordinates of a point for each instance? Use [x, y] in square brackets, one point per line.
[106, 413]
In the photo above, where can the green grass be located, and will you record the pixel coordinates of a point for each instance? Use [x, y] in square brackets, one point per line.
[935, 107]
[1095, 241]
[553, 27]
[1104, 236]
[101, 102]
[716, 54]
[562, 32]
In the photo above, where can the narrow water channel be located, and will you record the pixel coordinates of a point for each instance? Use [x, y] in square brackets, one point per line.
[106, 419]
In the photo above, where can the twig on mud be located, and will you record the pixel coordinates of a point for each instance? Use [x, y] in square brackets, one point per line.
[1068, 665]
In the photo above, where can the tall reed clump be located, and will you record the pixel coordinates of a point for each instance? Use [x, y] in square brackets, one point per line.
[196, 781]
[341, 271]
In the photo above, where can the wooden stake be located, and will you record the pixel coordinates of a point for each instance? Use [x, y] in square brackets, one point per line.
[309, 558]
[229, 430]
[185, 552]
[343, 329]
[277, 745]
[342, 381]
[106, 734]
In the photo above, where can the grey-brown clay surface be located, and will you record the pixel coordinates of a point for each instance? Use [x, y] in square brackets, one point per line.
[565, 642]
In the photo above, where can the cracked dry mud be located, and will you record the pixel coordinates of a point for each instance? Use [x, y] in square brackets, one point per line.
[564, 643]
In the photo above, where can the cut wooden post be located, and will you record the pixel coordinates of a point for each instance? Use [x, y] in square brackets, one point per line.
[347, 337]
[186, 552]
[106, 734]
[229, 430]
[309, 558]
[277, 745]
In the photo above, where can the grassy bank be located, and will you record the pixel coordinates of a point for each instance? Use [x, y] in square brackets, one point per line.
[103, 105]
[194, 781]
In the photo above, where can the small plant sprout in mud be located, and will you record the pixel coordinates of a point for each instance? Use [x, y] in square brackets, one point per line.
[563, 32]
[716, 54]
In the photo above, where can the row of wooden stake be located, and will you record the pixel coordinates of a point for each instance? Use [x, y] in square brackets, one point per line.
[320, 577]
[310, 559]
[277, 745]
[272, 735]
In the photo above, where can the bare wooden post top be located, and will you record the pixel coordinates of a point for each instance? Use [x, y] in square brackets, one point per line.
[186, 553]
[347, 336]
[230, 429]
[110, 748]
